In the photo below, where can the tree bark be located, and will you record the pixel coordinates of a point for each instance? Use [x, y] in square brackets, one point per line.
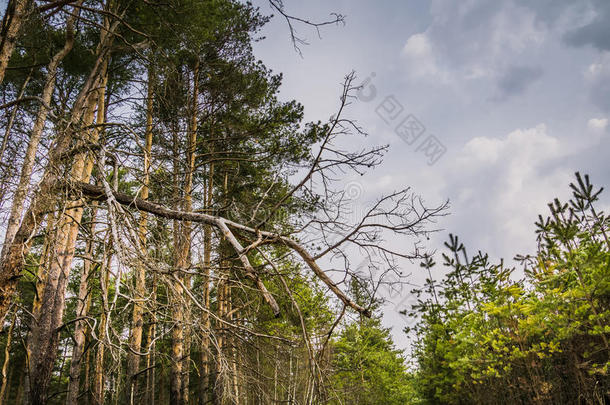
[204, 387]
[30, 156]
[14, 16]
[188, 206]
[182, 241]
[149, 397]
[137, 316]
[45, 332]
[12, 258]
[224, 225]
[7, 356]
[80, 327]
[175, 377]
[7, 135]
[98, 373]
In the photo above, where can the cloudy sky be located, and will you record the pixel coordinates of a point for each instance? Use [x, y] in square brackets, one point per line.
[518, 93]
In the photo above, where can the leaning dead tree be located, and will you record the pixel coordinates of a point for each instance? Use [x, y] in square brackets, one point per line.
[399, 213]
[328, 228]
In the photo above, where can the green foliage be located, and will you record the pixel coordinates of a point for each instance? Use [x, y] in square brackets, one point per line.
[368, 369]
[486, 338]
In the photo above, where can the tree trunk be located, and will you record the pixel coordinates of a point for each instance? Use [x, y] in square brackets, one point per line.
[182, 240]
[7, 136]
[14, 16]
[7, 356]
[45, 334]
[222, 294]
[175, 390]
[204, 387]
[188, 205]
[234, 356]
[137, 316]
[220, 373]
[150, 359]
[30, 156]
[87, 383]
[80, 327]
[45, 260]
[98, 376]
[11, 265]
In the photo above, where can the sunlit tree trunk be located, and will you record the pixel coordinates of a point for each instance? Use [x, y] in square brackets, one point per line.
[6, 288]
[234, 358]
[7, 135]
[177, 331]
[87, 382]
[44, 336]
[206, 368]
[188, 206]
[137, 317]
[80, 327]
[150, 346]
[222, 289]
[98, 376]
[11, 262]
[221, 296]
[14, 16]
[7, 356]
[182, 239]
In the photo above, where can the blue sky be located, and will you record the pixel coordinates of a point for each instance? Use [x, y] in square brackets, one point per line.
[518, 92]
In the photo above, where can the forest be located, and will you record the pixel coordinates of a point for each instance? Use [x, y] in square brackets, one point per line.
[173, 232]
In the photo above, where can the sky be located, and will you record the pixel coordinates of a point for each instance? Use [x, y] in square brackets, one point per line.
[516, 93]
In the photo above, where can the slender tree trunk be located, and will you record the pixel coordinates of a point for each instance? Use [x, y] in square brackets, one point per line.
[188, 206]
[80, 327]
[7, 356]
[220, 374]
[223, 302]
[7, 135]
[137, 317]
[186, 367]
[15, 15]
[98, 376]
[45, 335]
[182, 239]
[207, 262]
[28, 165]
[234, 357]
[149, 397]
[45, 260]
[176, 354]
[177, 332]
[11, 263]
[150, 346]
[87, 383]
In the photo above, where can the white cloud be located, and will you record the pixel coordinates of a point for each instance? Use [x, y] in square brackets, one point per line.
[420, 58]
[599, 69]
[473, 39]
[594, 70]
[499, 185]
[418, 45]
[598, 124]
